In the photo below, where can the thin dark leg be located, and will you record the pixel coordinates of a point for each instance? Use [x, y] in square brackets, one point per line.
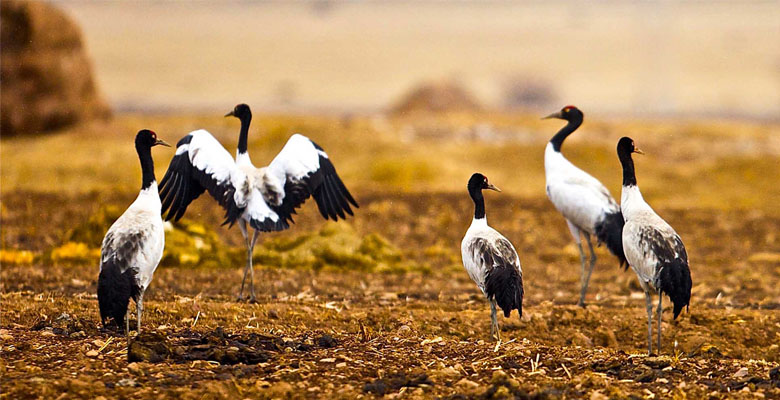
[251, 268]
[659, 312]
[245, 234]
[494, 331]
[586, 278]
[139, 309]
[649, 304]
[583, 284]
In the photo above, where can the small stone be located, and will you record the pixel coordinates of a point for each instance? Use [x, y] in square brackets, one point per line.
[598, 396]
[6, 337]
[327, 341]
[467, 384]
[741, 373]
[498, 376]
[47, 333]
[92, 353]
[502, 393]
[404, 329]
[134, 368]
[447, 373]
[128, 382]
[328, 360]
[579, 339]
[341, 365]
[78, 335]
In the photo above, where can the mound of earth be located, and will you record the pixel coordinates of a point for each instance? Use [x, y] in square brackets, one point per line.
[46, 76]
[437, 98]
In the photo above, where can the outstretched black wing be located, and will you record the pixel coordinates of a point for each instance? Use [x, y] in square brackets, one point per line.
[306, 170]
[202, 164]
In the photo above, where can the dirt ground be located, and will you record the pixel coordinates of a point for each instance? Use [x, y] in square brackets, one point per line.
[419, 334]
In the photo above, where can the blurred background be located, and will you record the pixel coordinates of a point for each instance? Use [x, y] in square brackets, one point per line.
[628, 58]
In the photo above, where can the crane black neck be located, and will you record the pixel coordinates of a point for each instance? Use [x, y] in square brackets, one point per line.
[147, 165]
[479, 202]
[243, 137]
[629, 175]
[574, 122]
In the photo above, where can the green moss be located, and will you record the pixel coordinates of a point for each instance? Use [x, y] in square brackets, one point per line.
[336, 246]
[92, 231]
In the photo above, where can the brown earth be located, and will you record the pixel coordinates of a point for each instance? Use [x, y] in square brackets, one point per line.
[419, 334]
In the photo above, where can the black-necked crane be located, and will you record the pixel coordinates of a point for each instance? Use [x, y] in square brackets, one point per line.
[263, 199]
[585, 203]
[133, 245]
[490, 259]
[653, 249]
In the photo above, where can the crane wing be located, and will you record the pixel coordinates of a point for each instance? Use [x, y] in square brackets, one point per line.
[647, 247]
[305, 170]
[202, 164]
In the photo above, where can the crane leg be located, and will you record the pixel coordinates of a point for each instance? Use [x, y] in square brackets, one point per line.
[245, 234]
[127, 327]
[252, 298]
[575, 233]
[649, 304]
[139, 309]
[659, 312]
[586, 276]
[494, 331]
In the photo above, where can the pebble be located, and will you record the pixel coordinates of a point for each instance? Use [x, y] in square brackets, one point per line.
[742, 372]
[134, 367]
[6, 337]
[129, 382]
[498, 376]
[598, 396]
[448, 373]
[92, 353]
[467, 384]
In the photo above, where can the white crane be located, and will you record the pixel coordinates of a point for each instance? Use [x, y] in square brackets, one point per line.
[653, 249]
[133, 245]
[586, 204]
[490, 259]
[265, 198]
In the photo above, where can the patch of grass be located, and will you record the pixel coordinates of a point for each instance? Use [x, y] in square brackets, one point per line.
[402, 174]
[335, 247]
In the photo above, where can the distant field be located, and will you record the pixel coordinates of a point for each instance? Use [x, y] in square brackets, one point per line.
[614, 57]
[720, 164]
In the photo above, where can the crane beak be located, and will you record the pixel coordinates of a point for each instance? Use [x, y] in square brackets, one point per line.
[554, 115]
[493, 187]
[230, 114]
[638, 151]
[161, 142]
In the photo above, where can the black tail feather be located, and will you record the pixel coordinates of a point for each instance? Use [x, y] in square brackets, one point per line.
[505, 284]
[610, 232]
[114, 290]
[675, 280]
